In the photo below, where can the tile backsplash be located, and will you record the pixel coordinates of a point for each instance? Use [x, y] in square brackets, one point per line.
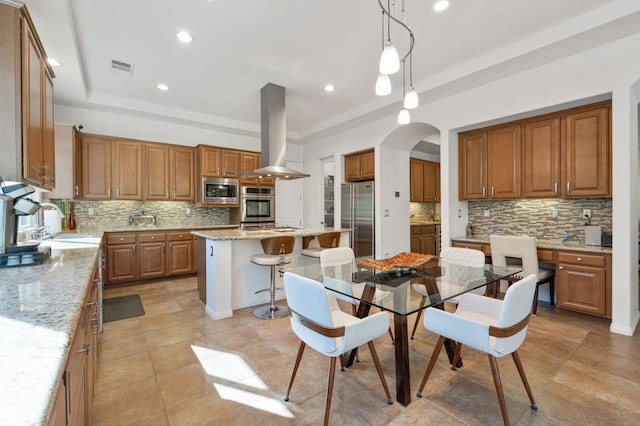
[534, 217]
[108, 215]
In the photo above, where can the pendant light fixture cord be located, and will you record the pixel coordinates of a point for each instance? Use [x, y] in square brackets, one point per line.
[390, 17]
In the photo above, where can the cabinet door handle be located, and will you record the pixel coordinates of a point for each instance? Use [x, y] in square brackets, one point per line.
[164, 245]
[484, 191]
[109, 193]
[493, 191]
[86, 350]
[166, 194]
[134, 250]
[579, 259]
[174, 193]
[560, 267]
[117, 192]
[76, 191]
[211, 254]
[568, 187]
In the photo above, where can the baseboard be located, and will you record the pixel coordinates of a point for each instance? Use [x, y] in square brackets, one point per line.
[217, 315]
[626, 331]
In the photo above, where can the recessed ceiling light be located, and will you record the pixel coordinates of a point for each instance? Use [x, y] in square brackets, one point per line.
[53, 62]
[184, 37]
[441, 5]
[162, 87]
[329, 88]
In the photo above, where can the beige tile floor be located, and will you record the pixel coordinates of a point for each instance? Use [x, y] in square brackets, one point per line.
[176, 366]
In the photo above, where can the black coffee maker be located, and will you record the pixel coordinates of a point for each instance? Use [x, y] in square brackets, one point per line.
[13, 203]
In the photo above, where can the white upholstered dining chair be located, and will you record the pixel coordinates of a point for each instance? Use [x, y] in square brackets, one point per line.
[457, 255]
[523, 249]
[495, 327]
[329, 331]
[336, 257]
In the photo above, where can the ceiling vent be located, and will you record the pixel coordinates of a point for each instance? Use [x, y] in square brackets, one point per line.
[121, 67]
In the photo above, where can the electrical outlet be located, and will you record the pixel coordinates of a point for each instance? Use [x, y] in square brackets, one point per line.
[487, 213]
[554, 213]
[586, 213]
[91, 212]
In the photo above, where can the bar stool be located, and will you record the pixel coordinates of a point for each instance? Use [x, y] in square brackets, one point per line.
[325, 241]
[277, 250]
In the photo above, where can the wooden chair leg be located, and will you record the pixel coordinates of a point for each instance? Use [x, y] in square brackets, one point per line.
[295, 368]
[498, 384]
[391, 335]
[332, 371]
[418, 317]
[534, 308]
[552, 290]
[456, 355]
[432, 362]
[376, 361]
[516, 359]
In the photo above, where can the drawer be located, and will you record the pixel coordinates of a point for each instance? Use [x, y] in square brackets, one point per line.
[582, 258]
[546, 256]
[428, 230]
[151, 237]
[114, 239]
[180, 236]
[474, 246]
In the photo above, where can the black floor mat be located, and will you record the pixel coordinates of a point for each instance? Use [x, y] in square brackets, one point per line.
[119, 308]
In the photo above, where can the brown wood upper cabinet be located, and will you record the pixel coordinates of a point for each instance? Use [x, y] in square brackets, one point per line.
[541, 158]
[218, 162]
[425, 181]
[26, 101]
[586, 151]
[565, 154]
[489, 164]
[250, 161]
[359, 166]
[111, 169]
[168, 172]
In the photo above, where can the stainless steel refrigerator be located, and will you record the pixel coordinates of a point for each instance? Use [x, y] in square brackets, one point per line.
[357, 213]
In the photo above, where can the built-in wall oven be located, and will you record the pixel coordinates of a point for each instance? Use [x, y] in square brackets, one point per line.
[219, 191]
[257, 206]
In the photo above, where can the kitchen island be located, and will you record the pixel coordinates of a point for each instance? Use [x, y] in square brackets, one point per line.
[227, 279]
[40, 309]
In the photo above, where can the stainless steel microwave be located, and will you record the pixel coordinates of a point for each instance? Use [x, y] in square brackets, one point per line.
[219, 190]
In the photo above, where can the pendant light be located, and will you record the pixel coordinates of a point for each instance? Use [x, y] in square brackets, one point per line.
[390, 62]
[383, 85]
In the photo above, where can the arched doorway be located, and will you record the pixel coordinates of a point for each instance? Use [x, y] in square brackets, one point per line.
[392, 190]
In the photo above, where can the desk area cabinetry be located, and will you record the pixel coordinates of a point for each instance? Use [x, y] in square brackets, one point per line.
[583, 273]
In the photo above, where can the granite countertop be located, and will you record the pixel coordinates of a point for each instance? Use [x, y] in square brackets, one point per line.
[40, 306]
[126, 228]
[239, 234]
[545, 244]
[424, 222]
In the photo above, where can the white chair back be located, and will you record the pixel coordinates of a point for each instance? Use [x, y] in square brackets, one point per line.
[516, 306]
[515, 246]
[309, 298]
[462, 256]
[341, 278]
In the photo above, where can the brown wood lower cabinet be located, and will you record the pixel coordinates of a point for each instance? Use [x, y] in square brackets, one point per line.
[583, 279]
[74, 398]
[423, 239]
[583, 283]
[181, 253]
[149, 254]
[152, 253]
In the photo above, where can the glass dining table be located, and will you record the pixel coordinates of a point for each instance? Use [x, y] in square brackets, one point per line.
[396, 291]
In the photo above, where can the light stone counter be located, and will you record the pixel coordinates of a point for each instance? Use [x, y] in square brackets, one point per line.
[40, 306]
[232, 280]
[545, 244]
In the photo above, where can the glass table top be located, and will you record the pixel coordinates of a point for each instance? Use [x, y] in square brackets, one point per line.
[400, 290]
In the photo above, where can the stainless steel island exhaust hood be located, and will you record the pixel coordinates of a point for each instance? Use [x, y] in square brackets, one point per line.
[273, 135]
